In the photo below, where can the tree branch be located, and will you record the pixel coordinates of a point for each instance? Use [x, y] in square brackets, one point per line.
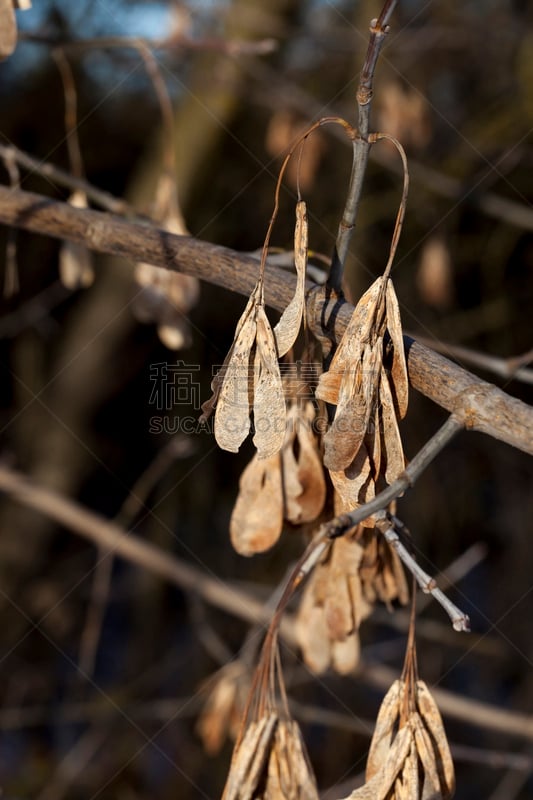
[108, 535]
[485, 407]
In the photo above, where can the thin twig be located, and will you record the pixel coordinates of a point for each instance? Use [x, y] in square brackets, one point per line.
[460, 620]
[510, 368]
[59, 177]
[34, 312]
[101, 583]
[419, 463]
[11, 274]
[230, 47]
[361, 147]
[71, 115]
[74, 763]
[226, 597]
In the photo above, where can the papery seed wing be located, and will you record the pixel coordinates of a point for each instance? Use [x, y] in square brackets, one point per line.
[312, 633]
[410, 776]
[372, 305]
[394, 761]
[269, 401]
[426, 754]
[357, 397]
[286, 331]
[246, 320]
[400, 380]
[304, 776]
[76, 267]
[368, 790]
[292, 487]
[347, 356]
[249, 759]
[350, 482]
[432, 720]
[361, 608]
[338, 604]
[392, 442]
[273, 788]
[232, 415]
[345, 654]
[386, 722]
[343, 439]
[257, 518]
[373, 441]
[310, 474]
[402, 587]
[8, 29]
[329, 385]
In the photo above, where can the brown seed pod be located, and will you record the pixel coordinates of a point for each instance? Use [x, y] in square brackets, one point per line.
[257, 518]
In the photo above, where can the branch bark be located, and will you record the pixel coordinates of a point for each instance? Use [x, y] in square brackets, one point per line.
[489, 410]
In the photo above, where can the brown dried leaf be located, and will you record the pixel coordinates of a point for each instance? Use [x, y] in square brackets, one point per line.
[392, 442]
[400, 380]
[257, 517]
[384, 731]
[432, 720]
[288, 326]
[249, 759]
[270, 414]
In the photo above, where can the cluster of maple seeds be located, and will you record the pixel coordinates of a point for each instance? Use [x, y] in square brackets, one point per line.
[287, 481]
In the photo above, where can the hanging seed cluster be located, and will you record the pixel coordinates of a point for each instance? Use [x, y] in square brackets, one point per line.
[409, 757]
[165, 297]
[295, 479]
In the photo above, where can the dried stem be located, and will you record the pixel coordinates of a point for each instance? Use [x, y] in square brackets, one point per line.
[71, 114]
[361, 147]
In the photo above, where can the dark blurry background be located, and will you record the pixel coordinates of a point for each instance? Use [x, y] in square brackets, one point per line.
[81, 392]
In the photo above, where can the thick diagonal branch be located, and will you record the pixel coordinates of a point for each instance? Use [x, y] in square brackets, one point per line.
[490, 410]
